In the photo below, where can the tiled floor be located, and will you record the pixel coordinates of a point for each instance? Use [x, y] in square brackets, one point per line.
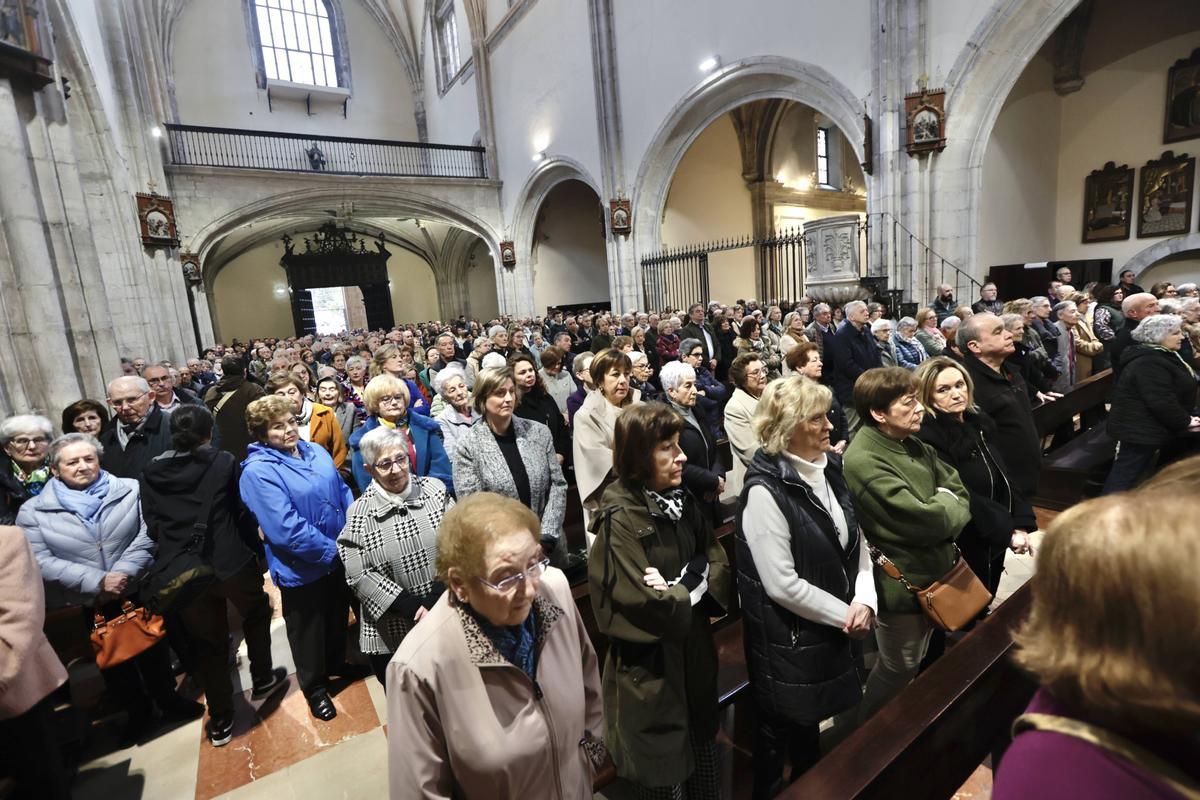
[279, 752]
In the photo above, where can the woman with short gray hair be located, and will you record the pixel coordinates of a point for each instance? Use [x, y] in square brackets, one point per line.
[1067, 314]
[24, 468]
[909, 351]
[881, 332]
[703, 473]
[457, 415]
[389, 546]
[1154, 402]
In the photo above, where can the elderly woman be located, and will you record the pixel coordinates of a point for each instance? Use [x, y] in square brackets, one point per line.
[909, 350]
[356, 380]
[793, 334]
[595, 422]
[535, 404]
[805, 360]
[300, 500]
[389, 546]
[667, 343]
[512, 456]
[88, 537]
[1116, 715]
[556, 377]
[85, 416]
[642, 374]
[1087, 345]
[23, 466]
[389, 407]
[500, 696]
[911, 506]
[1064, 351]
[751, 340]
[397, 362]
[1154, 402]
[881, 332]
[749, 376]
[804, 574]
[1032, 363]
[457, 414]
[582, 366]
[712, 393]
[316, 423]
[928, 333]
[703, 473]
[32, 675]
[331, 394]
[656, 575]
[191, 484]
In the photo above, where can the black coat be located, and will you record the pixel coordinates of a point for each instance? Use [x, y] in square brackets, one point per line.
[1155, 397]
[145, 444]
[694, 331]
[703, 469]
[800, 670]
[1120, 343]
[854, 352]
[12, 491]
[231, 419]
[171, 503]
[997, 506]
[1037, 371]
[1005, 398]
[538, 406]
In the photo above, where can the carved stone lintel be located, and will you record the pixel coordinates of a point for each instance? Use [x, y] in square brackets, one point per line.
[1069, 42]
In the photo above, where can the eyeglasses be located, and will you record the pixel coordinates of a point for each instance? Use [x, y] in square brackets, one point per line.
[510, 583]
[27, 441]
[392, 398]
[153, 381]
[388, 464]
[119, 402]
[760, 372]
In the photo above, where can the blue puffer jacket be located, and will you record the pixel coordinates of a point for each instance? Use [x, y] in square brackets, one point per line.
[426, 435]
[75, 555]
[301, 507]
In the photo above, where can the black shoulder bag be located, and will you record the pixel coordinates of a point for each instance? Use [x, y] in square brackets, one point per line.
[178, 580]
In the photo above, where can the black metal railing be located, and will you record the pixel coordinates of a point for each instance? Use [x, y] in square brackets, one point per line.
[198, 146]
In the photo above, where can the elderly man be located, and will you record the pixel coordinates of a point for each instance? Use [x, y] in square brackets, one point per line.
[945, 303]
[1135, 307]
[698, 328]
[987, 303]
[166, 396]
[853, 352]
[138, 434]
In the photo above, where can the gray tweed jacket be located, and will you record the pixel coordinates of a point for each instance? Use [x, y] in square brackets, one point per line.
[480, 466]
[388, 550]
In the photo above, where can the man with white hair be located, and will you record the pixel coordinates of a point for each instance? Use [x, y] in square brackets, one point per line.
[138, 434]
[1135, 308]
[853, 352]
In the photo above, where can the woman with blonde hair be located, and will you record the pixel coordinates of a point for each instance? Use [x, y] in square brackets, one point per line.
[928, 333]
[1112, 639]
[388, 404]
[804, 574]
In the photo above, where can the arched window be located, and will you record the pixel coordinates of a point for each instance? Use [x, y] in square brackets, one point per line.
[445, 43]
[297, 41]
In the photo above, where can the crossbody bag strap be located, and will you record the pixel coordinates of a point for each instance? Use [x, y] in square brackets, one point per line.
[1107, 740]
[885, 564]
[224, 399]
[207, 492]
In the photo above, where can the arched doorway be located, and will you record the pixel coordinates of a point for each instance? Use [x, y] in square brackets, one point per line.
[567, 253]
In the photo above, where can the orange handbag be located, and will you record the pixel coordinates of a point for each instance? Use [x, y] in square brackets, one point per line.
[116, 640]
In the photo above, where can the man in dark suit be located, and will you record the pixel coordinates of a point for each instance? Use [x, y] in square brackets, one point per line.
[697, 328]
[138, 432]
[854, 352]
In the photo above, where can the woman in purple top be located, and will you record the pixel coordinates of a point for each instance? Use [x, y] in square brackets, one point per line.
[1113, 638]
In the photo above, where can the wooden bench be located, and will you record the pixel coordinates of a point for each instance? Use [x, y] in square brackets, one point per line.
[930, 738]
[1078, 468]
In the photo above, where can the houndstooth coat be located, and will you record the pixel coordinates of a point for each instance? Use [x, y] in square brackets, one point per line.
[388, 550]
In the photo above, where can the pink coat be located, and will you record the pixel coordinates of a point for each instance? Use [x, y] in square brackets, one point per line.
[29, 668]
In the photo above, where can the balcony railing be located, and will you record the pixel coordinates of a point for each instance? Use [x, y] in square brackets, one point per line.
[197, 146]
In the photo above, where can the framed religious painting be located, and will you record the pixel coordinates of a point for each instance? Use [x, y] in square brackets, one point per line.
[1107, 203]
[1183, 100]
[925, 113]
[191, 267]
[156, 216]
[508, 254]
[620, 217]
[22, 53]
[1165, 195]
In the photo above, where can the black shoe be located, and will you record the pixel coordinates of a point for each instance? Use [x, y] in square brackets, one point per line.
[220, 731]
[277, 679]
[181, 710]
[321, 706]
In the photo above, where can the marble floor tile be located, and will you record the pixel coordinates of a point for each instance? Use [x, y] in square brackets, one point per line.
[355, 768]
[162, 767]
[280, 734]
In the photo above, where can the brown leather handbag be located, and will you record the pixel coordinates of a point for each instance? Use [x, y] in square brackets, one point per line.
[951, 601]
[116, 640]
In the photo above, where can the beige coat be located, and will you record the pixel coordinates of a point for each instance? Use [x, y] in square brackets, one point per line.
[592, 443]
[29, 668]
[739, 412]
[464, 723]
[1087, 347]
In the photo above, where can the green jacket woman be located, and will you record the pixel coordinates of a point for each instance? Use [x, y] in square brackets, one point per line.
[660, 671]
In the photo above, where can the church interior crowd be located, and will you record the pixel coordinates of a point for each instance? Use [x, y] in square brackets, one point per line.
[422, 477]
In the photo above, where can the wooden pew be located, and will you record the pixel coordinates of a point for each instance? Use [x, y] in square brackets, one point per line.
[1078, 468]
[928, 740]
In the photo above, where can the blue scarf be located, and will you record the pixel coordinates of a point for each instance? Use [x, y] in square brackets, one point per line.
[515, 642]
[83, 503]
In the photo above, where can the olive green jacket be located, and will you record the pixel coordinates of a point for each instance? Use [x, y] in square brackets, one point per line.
[895, 485]
[660, 671]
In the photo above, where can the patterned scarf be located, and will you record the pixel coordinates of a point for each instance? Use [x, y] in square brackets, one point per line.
[669, 502]
[514, 642]
[1175, 353]
[35, 481]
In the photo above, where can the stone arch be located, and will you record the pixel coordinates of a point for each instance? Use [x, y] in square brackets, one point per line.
[735, 84]
[1149, 256]
[978, 85]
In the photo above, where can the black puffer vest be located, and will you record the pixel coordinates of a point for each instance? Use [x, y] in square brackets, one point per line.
[801, 671]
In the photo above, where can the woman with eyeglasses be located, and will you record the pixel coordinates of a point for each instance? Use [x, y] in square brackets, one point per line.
[749, 375]
[512, 456]
[495, 693]
[389, 547]
[711, 394]
[23, 467]
[388, 403]
[300, 502]
[317, 423]
[594, 424]
[656, 575]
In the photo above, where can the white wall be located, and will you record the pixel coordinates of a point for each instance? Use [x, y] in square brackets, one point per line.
[570, 264]
[481, 283]
[1020, 175]
[454, 117]
[91, 37]
[414, 290]
[215, 80]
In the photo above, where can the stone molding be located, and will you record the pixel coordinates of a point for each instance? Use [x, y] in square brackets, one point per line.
[1146, 258]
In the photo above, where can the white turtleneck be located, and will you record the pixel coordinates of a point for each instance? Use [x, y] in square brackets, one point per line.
[770, 542]
[395, 498]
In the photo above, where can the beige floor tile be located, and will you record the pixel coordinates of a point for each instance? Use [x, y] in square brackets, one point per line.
[163, 767]
[356, 768]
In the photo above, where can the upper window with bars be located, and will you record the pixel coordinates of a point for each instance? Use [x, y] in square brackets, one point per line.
[297, 41]
[823, 157]
[445, 43]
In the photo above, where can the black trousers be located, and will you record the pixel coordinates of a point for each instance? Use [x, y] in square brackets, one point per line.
[207, 623]
[379, 662]
[777, 741]
[140, 680]
[31, 754]
[316, 616]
